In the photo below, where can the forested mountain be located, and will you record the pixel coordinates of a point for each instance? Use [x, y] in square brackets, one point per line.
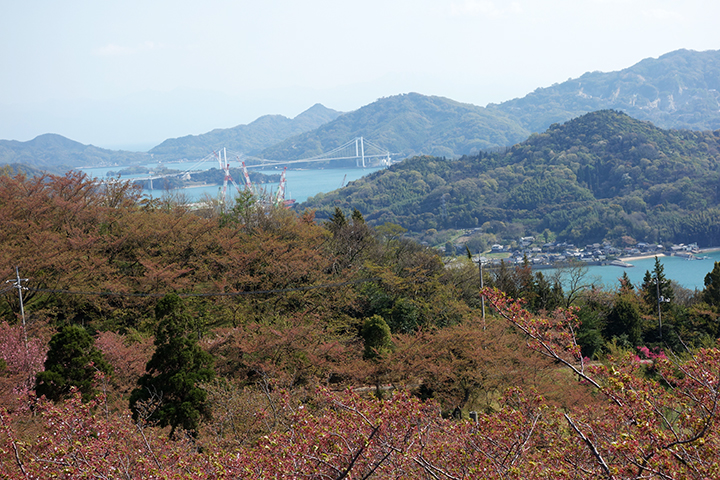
[407, 125]
[55, 152]
[677, 90]
[602, 176]
[249, 139]
[25, 169]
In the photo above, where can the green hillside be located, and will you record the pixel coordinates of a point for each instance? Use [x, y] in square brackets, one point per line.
[602, 176]
[407, 125]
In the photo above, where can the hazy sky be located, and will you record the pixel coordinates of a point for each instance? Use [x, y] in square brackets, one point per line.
[133, 73]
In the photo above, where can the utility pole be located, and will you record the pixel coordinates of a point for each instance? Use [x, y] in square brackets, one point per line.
[482, 286]
[660, 300]
[17, 283]
[657, 287]
[482, 281]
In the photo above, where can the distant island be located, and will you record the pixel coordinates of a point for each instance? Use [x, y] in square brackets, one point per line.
[172, 179]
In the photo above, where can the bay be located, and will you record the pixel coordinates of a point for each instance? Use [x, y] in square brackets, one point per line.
[687, 273]
[301, 184]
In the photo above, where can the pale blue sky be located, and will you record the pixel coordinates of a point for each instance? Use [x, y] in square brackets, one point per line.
[132, 73]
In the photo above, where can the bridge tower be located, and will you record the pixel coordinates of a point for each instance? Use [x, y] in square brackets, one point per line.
[359, 151]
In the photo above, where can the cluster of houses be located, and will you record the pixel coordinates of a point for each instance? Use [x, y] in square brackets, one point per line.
[553, 253]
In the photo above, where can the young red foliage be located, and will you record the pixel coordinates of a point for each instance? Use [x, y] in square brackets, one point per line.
[22, 361]
[665, 428]
[128, 358]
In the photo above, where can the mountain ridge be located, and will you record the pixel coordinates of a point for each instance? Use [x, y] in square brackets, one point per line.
[60, 153]
[408, 124]
[601, 176]
[644, 90]
[680, 89]
[248, 139]
[677, 90]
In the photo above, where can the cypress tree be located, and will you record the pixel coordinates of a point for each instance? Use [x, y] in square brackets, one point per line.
[625, 319]
[72, 361]
[175, 371]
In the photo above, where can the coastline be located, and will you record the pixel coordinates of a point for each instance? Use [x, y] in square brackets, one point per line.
[641, 257]
[651, 255]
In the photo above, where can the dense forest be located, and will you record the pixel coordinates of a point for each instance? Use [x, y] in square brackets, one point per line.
[141, 338]
[602, 176]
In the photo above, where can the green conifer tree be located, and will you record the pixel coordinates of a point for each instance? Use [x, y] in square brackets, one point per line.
[357, 217]
[175, 371]
[624, 321]
[377, 336]
[626, 285]
[72, 361]
[337, 222]
[711, 293]
[655, 283]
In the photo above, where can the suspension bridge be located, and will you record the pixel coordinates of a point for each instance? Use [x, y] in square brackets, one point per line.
[360, 150]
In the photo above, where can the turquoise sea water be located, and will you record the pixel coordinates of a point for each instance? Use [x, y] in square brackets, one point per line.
[301, 184]
[688, 273]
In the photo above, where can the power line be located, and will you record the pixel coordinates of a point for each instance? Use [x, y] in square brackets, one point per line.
[210, 294]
